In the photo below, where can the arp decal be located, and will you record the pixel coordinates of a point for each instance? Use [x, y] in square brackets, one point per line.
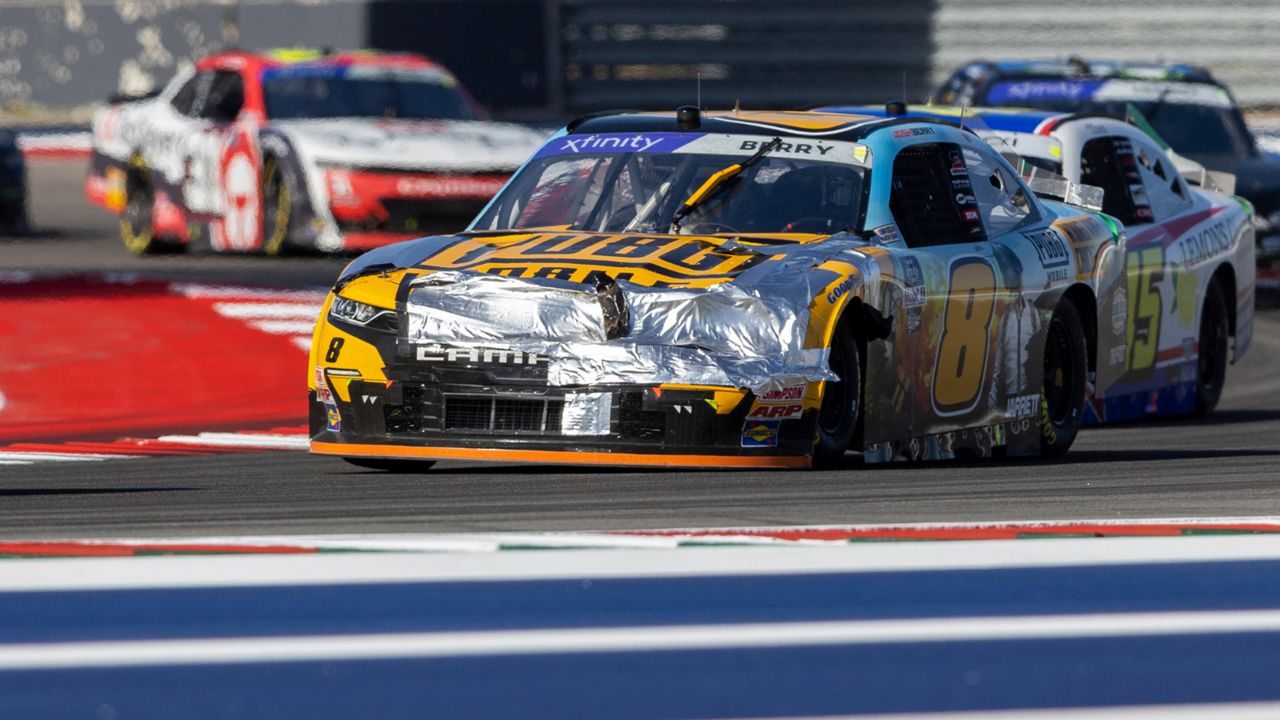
[777, 412]
[961, 364]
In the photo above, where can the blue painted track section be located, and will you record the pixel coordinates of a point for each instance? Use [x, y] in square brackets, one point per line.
[632, 602]
[979, 674]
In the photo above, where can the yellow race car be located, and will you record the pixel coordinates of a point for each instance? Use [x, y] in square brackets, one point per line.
[739, 289]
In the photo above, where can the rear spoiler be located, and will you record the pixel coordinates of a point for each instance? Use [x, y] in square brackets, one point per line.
[1056, 187]
[121, 98]
[1203, 177]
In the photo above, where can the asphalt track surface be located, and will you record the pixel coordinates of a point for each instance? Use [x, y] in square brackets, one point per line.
[1226, 466]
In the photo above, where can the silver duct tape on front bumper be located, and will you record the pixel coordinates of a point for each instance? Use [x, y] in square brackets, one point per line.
[749, 332]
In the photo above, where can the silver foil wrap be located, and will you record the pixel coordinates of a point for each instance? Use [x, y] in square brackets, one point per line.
[748, 332]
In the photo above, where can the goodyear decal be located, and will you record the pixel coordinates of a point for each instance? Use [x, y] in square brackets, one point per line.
[840, 290]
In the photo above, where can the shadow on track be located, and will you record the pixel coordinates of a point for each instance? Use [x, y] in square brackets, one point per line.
[1148, 454]
[1219, 417]
[41, 492]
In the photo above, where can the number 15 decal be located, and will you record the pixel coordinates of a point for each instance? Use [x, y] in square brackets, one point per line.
[963, 349]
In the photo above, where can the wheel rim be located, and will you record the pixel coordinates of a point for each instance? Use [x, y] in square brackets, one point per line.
[1059, 381]
[135, 224]
[277, 205]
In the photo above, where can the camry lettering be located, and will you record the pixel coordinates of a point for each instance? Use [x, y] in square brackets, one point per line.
[491, 356]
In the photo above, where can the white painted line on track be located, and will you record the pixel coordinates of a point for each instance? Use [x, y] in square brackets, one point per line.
[60, 457]
[351, 568]
[188, 651]
[257, 310]
[244, 440]
[983, 524]
[1216, 711]
[303, 342]
[234, 292]
[285, 327]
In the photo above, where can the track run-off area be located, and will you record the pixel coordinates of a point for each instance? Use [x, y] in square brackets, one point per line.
[152, 428]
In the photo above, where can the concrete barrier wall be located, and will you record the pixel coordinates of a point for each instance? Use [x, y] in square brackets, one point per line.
[558, 57]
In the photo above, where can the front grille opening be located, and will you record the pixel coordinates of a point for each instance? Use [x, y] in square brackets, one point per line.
[502, 414]
[636, 423]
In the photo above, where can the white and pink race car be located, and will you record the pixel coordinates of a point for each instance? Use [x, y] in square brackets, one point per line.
[252, 152]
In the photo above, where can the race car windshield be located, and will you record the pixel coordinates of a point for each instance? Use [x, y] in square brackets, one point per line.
[364, 92]
[1193, 128]
[781, 192]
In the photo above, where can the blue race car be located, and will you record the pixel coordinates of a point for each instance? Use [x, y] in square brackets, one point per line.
[1190, 253]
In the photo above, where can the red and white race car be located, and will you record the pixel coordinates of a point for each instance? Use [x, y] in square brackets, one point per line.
[335, 152]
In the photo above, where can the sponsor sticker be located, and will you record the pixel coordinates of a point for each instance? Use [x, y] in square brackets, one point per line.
[888, 233]
[760, 433]
[323, 394]
[786, 394]
[1022, 405]
[333, 419]
[913, 132]
[617, 143]
[1118, 355]
[1049, 246]
[778, 412]
[840, 290]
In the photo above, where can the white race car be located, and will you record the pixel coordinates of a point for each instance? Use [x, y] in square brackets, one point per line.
[335, 152]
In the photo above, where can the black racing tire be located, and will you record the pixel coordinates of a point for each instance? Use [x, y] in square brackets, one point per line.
[1212, 370]
[277, 209]
[841, 407]
[136, 230]
[391, 466]
[1066, 369]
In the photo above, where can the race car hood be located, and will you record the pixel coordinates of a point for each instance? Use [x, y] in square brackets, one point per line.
[443, 146]
[620, 308]
[574, 256]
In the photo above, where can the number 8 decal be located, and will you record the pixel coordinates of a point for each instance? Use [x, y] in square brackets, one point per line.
[961, 365]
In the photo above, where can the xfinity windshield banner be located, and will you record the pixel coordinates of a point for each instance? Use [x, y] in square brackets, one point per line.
[838, 151]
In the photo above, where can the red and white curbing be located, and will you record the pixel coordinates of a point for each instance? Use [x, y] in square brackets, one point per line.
[56, 145]
[278, 312]
[807, 536]
[205, 443]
